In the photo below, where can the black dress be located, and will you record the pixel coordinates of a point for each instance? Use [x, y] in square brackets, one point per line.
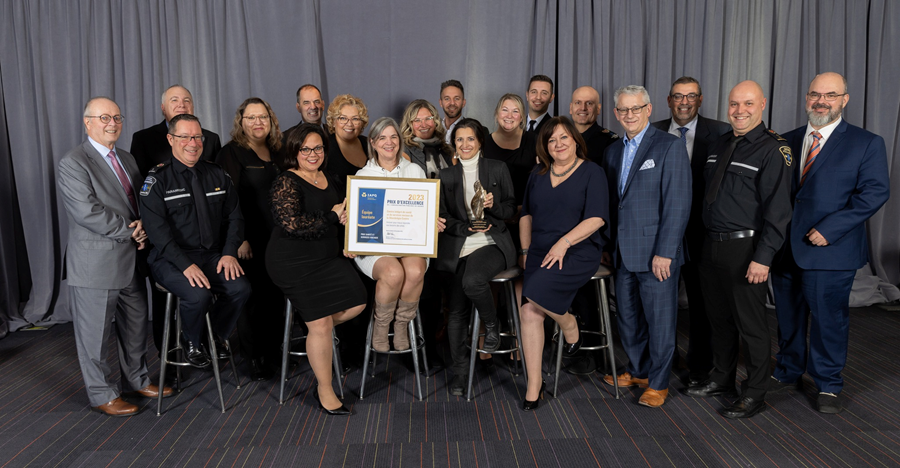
[519, 161]
[338, 165]
[305, 258]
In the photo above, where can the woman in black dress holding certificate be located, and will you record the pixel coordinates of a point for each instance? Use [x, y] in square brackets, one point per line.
[305, 257]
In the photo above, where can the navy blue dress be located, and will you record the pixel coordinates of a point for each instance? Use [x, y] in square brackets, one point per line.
[554, 212]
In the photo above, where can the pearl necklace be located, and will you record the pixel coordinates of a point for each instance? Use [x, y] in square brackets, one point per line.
[567, 171]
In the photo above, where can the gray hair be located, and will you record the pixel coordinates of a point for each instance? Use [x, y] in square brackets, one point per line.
[377, 129]
[633, 90]
[176, 85]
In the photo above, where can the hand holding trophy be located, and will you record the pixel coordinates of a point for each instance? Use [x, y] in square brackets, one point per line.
[477, 204]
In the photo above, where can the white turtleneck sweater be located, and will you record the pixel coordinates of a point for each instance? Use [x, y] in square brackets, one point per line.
[470, 175]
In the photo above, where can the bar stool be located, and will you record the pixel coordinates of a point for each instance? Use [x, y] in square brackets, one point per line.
[507, 278]
[416, 345]
[179, 362]
[286, 351]
[604, 335]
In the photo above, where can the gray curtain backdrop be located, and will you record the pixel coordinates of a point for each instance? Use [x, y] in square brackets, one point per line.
[56, 54]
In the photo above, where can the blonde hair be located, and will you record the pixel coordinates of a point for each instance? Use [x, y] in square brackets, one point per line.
[334, 110]
[412, 110]
[519, 103]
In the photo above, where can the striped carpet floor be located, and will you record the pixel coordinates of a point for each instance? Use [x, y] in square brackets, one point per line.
[45, 419]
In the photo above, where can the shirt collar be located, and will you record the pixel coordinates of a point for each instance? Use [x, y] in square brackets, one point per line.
[637, 138]
[101, 149]
[825, 131]
[537, 120]
[691, 126]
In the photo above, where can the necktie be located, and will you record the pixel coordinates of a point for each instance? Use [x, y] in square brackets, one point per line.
[813, 152]
[202, 209]
[123, 179]
[722, 164]
[683, 131]
[531, 125]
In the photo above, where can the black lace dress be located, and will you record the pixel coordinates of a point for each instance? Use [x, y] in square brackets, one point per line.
[305, 256]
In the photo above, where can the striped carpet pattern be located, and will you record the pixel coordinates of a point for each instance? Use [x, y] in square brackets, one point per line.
[45, 419]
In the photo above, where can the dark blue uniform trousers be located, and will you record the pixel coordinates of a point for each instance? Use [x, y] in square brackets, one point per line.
[195, 301]
[647, 310]
[825, 295]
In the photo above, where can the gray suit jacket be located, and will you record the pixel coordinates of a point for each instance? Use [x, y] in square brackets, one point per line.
[99, 253]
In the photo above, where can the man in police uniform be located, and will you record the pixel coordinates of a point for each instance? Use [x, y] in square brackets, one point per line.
[192, 217]
[746, 211]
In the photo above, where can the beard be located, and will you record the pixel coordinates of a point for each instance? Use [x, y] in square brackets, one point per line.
[820, 120]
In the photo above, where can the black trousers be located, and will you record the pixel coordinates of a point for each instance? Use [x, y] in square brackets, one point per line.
[737, 311]
[700, 353]
[260, 327]
[471, 285]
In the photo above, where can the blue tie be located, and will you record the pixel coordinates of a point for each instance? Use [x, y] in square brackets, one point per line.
[683, 131]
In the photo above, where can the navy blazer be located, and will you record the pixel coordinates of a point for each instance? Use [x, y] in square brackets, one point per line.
[495, 178]
[650, 217]
[845, 186]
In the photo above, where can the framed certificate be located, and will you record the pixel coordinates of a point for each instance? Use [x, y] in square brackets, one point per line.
[388, 216]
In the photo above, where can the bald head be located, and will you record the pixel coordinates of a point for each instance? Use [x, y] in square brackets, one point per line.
[819, 109]
[585, 107]
[745, 107]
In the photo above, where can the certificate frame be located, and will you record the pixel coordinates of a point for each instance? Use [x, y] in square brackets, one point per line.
[402, 216]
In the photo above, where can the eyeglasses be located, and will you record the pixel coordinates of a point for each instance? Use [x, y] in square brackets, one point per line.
[344, 119]
[105, 118]
[253, 118]
[306, 151]
[187, 138]
[428, 119]
[690, 97]
[830, 97]
[634, 110]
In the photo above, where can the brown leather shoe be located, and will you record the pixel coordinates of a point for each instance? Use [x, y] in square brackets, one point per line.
[152, 391]
[117, 408]
[626, 380]
[653, 398]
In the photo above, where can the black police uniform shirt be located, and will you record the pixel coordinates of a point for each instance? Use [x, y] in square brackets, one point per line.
[169, 216]
[597, 140]
[755, 190]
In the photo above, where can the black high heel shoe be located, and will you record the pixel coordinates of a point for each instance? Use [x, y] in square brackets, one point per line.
[532, 405]
[569, 349]
[339, 411]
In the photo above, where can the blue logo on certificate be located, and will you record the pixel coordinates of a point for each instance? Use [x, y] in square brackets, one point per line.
[371, 211]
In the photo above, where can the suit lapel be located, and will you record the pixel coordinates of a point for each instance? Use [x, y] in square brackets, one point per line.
[460, 194]
[640, 156]
[833, 141]
[107, 174]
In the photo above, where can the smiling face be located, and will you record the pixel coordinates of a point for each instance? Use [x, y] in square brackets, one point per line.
[185, 149]
[313, 161]
[745, 107]
[177, 101]
[821, 112]
[423, 124]
[540, 95]
[310, 105]
[466, 143]
[633, 122]
[561, 146]
[348, 125]
[452, 102]
[387, 145]
[104, 133]
[255, 122]
[684, 110]
[585, 106]
[509, 117]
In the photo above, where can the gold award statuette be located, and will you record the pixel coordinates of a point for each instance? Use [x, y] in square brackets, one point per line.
[477, 205]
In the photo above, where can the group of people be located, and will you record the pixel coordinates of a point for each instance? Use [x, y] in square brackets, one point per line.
[235, 230]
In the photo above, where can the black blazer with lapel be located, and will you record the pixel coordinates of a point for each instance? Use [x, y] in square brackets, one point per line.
[495, 178]
[708, 131]
[151, 147]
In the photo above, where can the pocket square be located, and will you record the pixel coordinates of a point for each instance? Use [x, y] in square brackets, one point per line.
[648, 164]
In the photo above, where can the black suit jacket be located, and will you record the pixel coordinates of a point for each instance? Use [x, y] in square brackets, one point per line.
[150, 147]
[708, 131]
[541, 123]
[495, 178]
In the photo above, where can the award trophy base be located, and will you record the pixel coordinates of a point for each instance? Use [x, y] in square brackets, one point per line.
[478, 225]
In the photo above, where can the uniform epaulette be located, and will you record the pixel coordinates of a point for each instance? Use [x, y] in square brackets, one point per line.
[612, 135]
[775, 135]
[156, 168]
[783, 148]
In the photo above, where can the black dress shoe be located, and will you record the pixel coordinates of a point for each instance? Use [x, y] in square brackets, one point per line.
[697, 380]
[584, 366]
[829, 403]
[744, 408]
[339, 411]
[710, 389]
[222, 351]
[532, 405]
[491, 336]
[777, 386]
[194, 354]
[569, 349]
[458, 384]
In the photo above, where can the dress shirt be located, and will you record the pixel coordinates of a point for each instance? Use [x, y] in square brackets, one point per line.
[631, 147]
[536, 121]
[450, 129]
[808, 139]
[688, 136]
[104, 151]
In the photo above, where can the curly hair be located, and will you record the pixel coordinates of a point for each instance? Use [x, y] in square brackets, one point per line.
[334, 110]
[273, 140]
[412, 110]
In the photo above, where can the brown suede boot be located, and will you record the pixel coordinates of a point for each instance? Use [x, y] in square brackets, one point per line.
[406, 311]
[384, 314]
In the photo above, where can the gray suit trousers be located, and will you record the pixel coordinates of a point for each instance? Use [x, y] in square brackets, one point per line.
[92, 315]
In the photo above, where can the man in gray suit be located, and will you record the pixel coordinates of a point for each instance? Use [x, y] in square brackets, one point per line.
[98, 183]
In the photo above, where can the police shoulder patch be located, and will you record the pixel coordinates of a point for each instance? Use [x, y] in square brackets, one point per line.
[148, 184]
[786, 154]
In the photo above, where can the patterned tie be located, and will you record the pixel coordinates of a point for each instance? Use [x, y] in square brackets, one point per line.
[813, 152]
[123, 179]
[683, 131]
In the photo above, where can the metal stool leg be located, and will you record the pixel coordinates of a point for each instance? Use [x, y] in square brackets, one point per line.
[215, 361]
[336, 362]
[603, 301]
[421, 330]
[473, 354]
[285, 347]
[237, 377]
[559, 354]
[414, 345]
[368, 352]
[514, 311]
[164, 356]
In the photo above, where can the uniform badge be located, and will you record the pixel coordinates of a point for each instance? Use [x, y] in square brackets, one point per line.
[148, 184]
[786, 153]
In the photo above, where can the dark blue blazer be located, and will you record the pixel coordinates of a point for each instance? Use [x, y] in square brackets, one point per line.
[652, 214]
[845, 186]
